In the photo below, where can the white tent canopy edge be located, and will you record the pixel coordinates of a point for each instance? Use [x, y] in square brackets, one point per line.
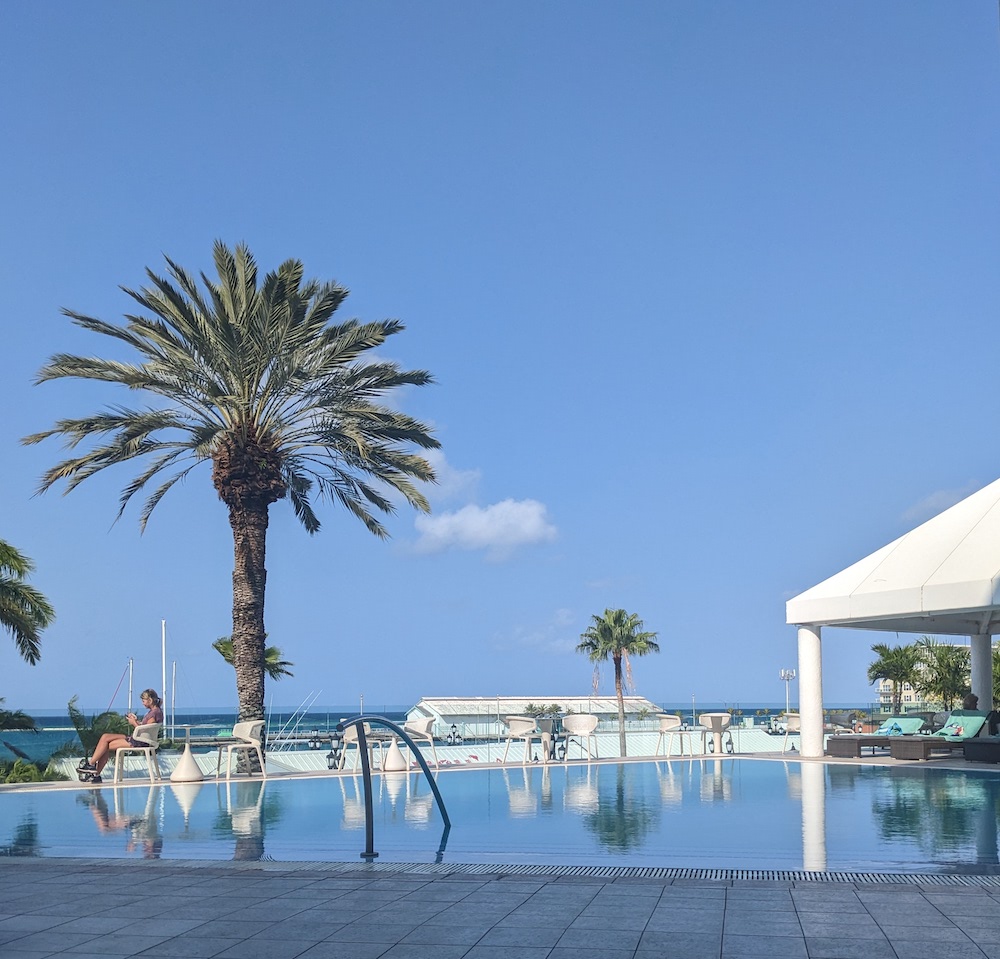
[942, 577]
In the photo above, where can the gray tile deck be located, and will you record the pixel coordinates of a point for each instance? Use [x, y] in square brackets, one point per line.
[73, 908]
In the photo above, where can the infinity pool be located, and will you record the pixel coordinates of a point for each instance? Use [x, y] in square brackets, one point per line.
[713, 813]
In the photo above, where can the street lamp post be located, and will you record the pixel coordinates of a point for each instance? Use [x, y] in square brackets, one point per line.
[787, 675]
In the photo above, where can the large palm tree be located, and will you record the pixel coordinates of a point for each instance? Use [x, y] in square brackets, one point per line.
[897, 664]
[258, 381]
[617, 635]
[24, 611]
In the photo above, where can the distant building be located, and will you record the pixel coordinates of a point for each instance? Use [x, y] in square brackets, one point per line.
[910, 695]
[483, 716]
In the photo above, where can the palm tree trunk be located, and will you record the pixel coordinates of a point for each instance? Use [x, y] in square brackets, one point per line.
[621, 703]
[249, 527]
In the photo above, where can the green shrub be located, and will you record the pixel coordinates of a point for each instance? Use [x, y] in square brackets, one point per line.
[24, 772]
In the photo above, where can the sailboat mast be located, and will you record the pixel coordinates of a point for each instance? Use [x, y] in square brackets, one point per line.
[163, 659]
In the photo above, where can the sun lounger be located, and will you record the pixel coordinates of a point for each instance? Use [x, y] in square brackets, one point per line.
[893, 728]
[982, 749]
[962, 725]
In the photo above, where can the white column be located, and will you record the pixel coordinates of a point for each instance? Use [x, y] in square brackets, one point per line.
[982, 670]
[811, 691]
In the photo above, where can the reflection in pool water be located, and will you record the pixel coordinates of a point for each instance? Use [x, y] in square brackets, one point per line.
[726, 812]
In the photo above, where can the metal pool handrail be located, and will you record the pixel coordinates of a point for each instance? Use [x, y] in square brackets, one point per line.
[366, 775]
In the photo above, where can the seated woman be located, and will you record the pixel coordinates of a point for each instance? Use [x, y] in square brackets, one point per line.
[89, 770]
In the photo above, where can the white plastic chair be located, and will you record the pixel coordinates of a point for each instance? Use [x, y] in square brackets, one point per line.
[793, 724]
[670, 726]
[520, 727]
[581, 726]
[420, 731]
[351, 737]
[148, 734]
[246, 738]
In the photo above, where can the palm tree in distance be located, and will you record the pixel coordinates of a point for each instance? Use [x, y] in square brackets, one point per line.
[943, 672]
[897, 664]
[16, 719]
[274, 665]
[259, 382]
[617, 635]
[24, 611]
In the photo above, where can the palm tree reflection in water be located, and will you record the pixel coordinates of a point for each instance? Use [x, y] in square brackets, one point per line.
[25, 840]
[244, 814]
[941, 813]
[623, 820]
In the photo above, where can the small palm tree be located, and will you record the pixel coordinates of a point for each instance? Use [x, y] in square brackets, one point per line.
[274, 665]
[16, 720]
[257, 381]
[617, 635]
[91, 730]
[897, 664]
[24, 611]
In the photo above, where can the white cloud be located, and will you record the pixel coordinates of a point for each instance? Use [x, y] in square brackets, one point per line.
[559, 635]
[452, 484]
[937, 502]
[498, 529]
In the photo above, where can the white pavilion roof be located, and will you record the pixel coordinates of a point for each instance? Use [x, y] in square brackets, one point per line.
[942, 577]
[491, 706]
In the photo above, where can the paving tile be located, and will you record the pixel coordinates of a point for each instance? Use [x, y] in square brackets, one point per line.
[227, 929]
[597, 939]
[905, 933]
[512, 936]
[762, 925]
[934, 950]
[826, 947]
[763, 947]
[682, 944]
[495, 952]
[346, 950]
[265, 949]
[367, 931]
[32, 923]
[189, 947]
[314, 930]
[974, 904]
[416, 950]
[703, 923]
[605, 920]
[909, 917]
[458, 935]
[51, 941]
[560, 953]
[764, 909]
[857, 927]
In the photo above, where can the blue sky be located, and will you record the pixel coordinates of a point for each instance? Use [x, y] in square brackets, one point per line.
[709, 291]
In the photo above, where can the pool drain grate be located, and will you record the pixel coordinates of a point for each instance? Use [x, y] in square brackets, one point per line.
[513, 870]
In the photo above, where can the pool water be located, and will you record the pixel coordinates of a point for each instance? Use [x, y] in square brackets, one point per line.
[712, 813]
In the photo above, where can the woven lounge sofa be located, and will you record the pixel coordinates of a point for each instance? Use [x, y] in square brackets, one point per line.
[962, 725]
[849, 747]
